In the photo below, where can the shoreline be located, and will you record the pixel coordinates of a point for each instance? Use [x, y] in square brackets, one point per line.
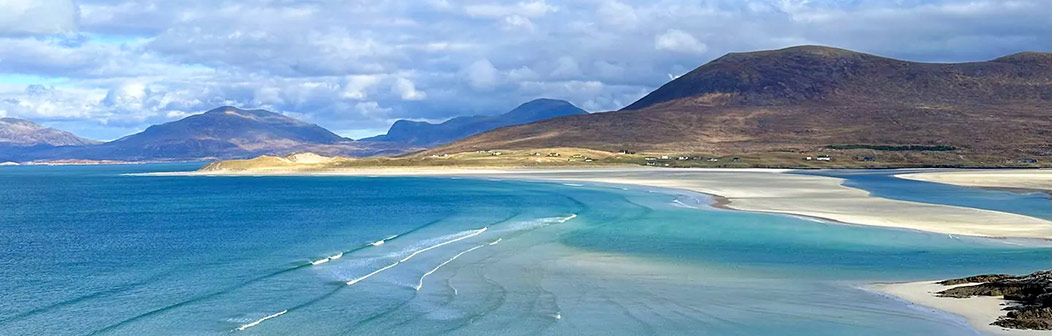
[1015, 180]
[754, 189]
[978, 311]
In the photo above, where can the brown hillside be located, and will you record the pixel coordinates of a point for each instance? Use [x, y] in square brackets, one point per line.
[808, 98]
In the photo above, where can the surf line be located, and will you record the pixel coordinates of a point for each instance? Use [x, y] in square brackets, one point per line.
[257, 322]
[420, 284]
[567, 219]
[410, 256]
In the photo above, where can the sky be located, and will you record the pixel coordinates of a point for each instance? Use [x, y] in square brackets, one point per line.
[108, 68]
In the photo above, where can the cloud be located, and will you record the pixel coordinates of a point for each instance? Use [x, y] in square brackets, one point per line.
[108, 67]
[405, 89]
[679, 41]
[38, 17]
[525, 9]
[481, 75]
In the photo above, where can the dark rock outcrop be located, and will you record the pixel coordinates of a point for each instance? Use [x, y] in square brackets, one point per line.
[1032, 293]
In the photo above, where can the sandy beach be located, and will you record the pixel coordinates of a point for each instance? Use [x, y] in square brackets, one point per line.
[762, 190]
[1034, 179]
[978, 311]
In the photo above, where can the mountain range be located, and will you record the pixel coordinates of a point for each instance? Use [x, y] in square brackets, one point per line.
[813, 98]
[20, 132]
[229, 132]
[424, 134]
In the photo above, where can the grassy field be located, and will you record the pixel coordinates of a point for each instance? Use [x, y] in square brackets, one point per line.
[579, 157]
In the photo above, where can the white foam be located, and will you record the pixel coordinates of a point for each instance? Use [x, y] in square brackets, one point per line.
[420, 284]
[567, 219]
[573, 184]
[495, 242]
[319, 261]
[681, 204]
[336, 256]
[378, 242]
[469, 235]
[359, 279]
[257, 322]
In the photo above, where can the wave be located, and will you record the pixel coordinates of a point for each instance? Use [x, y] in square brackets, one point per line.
[359, 279]
[466, 235]
[420, 284]
[538, 223]
[495, 242]
[257, 322]
[573, 184]
[469, 234]
[684, 205]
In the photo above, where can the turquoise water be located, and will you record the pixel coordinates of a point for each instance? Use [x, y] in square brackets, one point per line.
[883, 183]
[88, 250]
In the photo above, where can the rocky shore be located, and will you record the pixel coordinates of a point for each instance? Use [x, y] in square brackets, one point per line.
[1031, 295]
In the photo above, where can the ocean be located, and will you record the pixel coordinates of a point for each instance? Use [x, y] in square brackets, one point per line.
[91, 250]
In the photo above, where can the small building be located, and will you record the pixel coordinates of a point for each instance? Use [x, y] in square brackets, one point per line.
[1028, 160]
[651, 163]
[496, 153]
[651, 159]
[824, 158]
[625, 152]
[665, 157]
[736, 160]
[577, 156]
[553, 154]
[712, 159]
[683, 158]
[588, 160]
[809, 158]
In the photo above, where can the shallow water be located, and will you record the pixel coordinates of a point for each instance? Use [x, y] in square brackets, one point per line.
[88, 250]
[883, 183]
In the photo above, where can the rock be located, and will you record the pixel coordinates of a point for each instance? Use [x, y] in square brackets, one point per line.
[1032, 294]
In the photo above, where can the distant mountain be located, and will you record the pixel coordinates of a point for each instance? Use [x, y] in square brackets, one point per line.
[20, 132]
[423, 134]
[221, 133]
[819, 98]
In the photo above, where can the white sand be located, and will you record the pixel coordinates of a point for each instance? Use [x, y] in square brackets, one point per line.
[978, 311]
[1040, 179]
[764, 190]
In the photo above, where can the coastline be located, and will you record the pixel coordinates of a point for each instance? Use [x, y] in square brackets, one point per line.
[759, 190]
[1029, 180]
[978, 311]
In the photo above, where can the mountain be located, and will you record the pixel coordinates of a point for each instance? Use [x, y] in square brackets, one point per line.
[813, 98]
[221, 133]
[20, 132]
[423, 134]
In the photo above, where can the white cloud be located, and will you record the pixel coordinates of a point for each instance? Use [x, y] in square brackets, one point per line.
[481, 74]
[38, 17]
[679, 41]
[407, 90]
[617, 14]
[435, 59]
[526, 9]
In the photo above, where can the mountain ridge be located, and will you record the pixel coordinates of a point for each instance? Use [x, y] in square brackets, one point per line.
[22, 132]
[424, 134]
[807, 99]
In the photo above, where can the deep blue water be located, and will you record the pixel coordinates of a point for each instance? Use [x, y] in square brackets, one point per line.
[89, 250]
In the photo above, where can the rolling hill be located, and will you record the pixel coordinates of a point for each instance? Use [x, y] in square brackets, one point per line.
[820, 99]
